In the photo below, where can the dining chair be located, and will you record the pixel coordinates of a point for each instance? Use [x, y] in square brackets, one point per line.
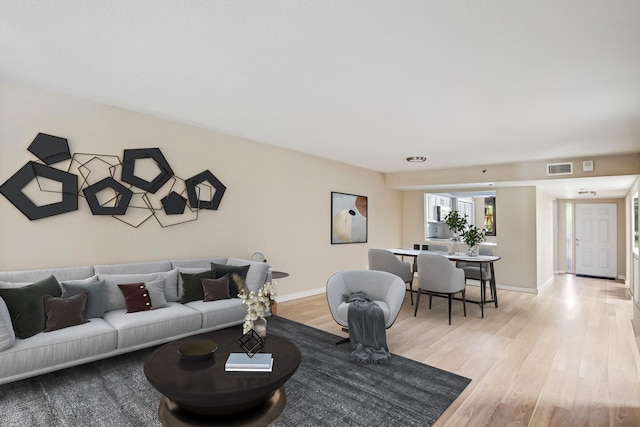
[438, 277]
[473, 271]
[384, 260]
[439, 248]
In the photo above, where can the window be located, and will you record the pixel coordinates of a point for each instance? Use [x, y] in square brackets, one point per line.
[490, 215]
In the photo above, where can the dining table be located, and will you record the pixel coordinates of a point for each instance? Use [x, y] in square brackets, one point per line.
[481, 260]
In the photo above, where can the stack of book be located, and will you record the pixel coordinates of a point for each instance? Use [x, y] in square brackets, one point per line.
[241, 362]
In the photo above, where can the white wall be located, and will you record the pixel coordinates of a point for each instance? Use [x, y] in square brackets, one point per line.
[277, 201]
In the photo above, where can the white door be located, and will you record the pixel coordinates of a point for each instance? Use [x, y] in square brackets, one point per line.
[596, 240]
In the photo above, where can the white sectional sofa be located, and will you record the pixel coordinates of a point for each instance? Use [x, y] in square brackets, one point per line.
[117, 331]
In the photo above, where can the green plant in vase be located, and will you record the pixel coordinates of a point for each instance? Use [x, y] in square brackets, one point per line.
[457, 223]
[473, 237]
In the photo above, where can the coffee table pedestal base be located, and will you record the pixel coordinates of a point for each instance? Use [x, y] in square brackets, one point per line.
[170, 414]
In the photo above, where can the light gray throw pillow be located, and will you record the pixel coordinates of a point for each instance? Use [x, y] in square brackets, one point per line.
[96, 296]
[156, 294]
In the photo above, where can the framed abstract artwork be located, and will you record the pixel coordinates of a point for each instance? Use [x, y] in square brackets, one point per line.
[348, 218]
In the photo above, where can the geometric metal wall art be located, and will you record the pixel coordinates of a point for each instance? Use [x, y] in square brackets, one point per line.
[12, 190]
[121, 197]
[165, 206]
[50, 149]
[212, 202]
[167, 198]
[128, 168]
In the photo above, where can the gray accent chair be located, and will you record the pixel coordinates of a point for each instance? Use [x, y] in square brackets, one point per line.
[472, 271]
[384, 260]
[438, 277]
[386, 289]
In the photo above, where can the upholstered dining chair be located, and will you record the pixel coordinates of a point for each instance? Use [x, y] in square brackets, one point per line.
[439, 248]
[386, 289]
[438, 277]
[473, 271]
[384, 260]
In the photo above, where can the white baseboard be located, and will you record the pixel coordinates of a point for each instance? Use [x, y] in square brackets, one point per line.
[517, 289]
[298, 295]
[318, 291]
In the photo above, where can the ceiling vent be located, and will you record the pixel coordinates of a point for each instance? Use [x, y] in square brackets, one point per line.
[560, 168]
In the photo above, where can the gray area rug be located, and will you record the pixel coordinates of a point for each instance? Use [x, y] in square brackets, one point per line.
[326, 390]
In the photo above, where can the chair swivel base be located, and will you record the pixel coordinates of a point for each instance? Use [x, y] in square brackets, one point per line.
[344, 340]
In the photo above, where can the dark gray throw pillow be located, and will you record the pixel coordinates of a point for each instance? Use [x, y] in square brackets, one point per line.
[216, 289]
[192, 286]
[26, 305]
[64, 312]
[234, 281]
[96, 297]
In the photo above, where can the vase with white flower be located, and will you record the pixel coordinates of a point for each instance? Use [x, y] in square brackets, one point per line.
[257, 304]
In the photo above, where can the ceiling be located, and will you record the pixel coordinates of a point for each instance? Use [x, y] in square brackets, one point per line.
[364, 82]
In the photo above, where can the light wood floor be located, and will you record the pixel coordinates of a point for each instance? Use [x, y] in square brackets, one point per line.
[564, 357]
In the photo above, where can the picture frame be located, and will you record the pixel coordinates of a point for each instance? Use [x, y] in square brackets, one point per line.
[349, 220]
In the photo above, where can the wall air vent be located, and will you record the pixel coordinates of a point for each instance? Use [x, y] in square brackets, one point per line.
[560, 168]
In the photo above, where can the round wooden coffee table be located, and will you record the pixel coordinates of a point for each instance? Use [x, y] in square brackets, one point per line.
[204, 387]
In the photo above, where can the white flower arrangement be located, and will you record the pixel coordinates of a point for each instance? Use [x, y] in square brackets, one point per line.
[257, 303]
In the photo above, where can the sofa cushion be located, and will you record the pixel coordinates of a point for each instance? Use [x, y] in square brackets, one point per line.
[221, 313]
[192, 287]
[134, 268]
[234, 282]
[61, 274]
[88, 280]
[136, 297]
[7, 335]
[156, 294]
[135, 329]
[202, 263]
[171, 288]
[44, 350]
[216, 289]
[64, 312]
[26, 305]
[96, 296]
[115, 300]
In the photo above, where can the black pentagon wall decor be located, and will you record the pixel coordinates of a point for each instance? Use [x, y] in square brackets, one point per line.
[122, 202]
[128, 168]
[50, 149]
[202, 177]
[174, 204]
[12, 190]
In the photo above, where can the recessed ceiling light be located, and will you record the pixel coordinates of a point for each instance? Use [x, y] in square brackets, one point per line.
[416, 159]
[587, 192]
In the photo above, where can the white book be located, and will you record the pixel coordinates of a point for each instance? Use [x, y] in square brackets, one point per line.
[243, 361]
[250, 369]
